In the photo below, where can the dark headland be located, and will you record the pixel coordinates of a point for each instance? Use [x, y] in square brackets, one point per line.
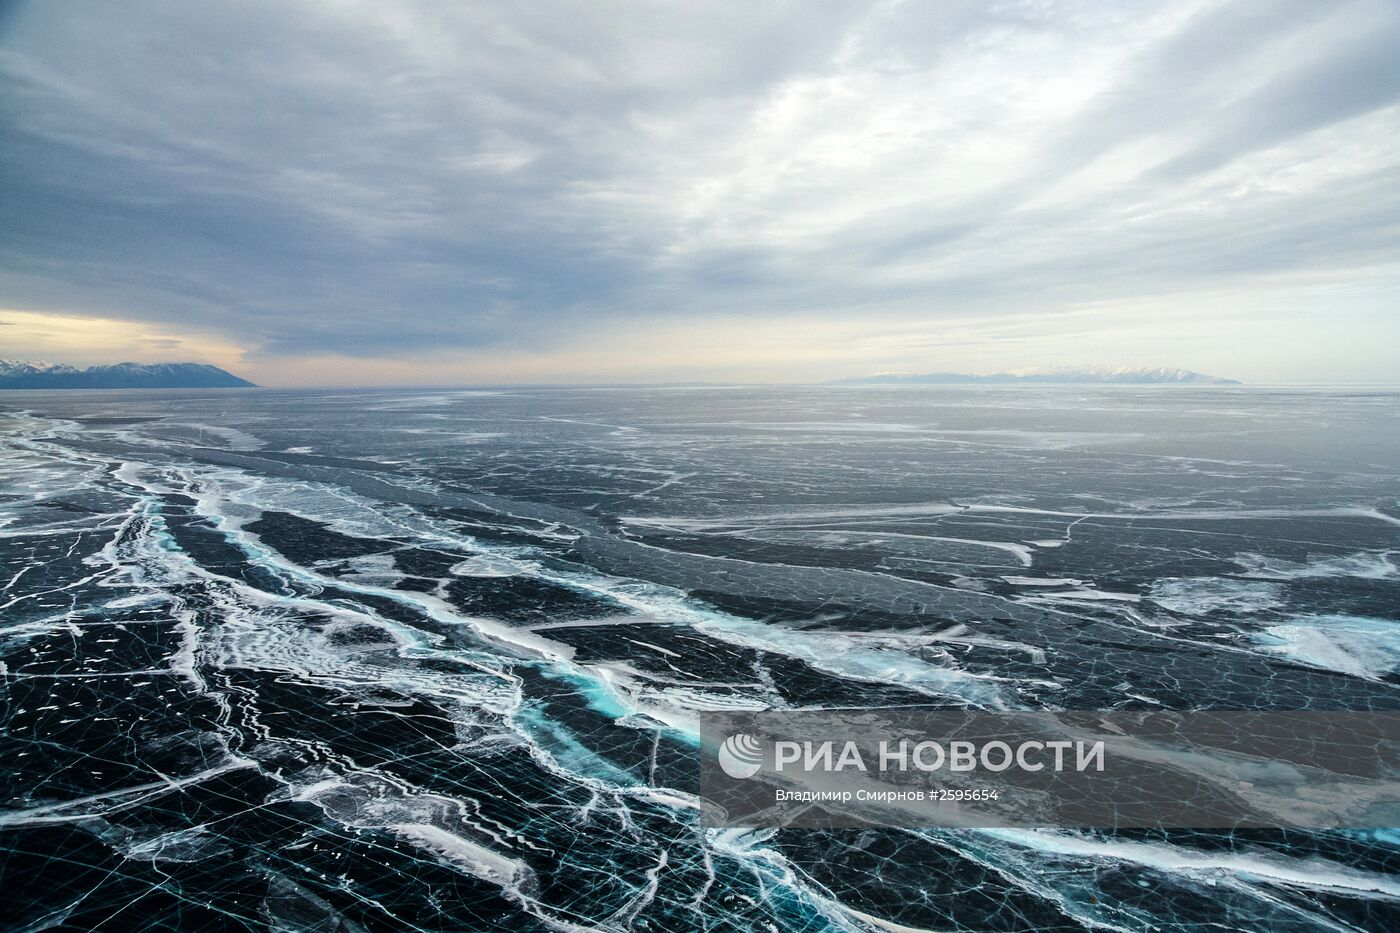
[22, 374]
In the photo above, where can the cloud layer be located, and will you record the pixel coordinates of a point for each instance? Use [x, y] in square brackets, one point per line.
[407, 180]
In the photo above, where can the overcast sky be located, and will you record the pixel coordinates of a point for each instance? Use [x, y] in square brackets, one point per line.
[380, 192]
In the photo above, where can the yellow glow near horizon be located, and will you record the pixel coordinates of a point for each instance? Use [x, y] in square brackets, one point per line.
[85, 341]
[1211, 330]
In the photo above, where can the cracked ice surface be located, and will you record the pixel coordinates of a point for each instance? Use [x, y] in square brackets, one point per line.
[432, 660]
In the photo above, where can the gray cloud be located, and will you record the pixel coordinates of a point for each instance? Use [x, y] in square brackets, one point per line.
[377, 178]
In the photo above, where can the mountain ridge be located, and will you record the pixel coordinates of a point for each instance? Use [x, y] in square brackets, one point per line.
[35, 374]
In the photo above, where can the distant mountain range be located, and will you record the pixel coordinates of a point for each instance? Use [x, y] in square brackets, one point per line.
[23, 374]
[1118, 375]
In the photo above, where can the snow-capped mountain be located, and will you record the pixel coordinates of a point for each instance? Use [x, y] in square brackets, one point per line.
[19, 368]
[1109, 375]
[31, 374]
